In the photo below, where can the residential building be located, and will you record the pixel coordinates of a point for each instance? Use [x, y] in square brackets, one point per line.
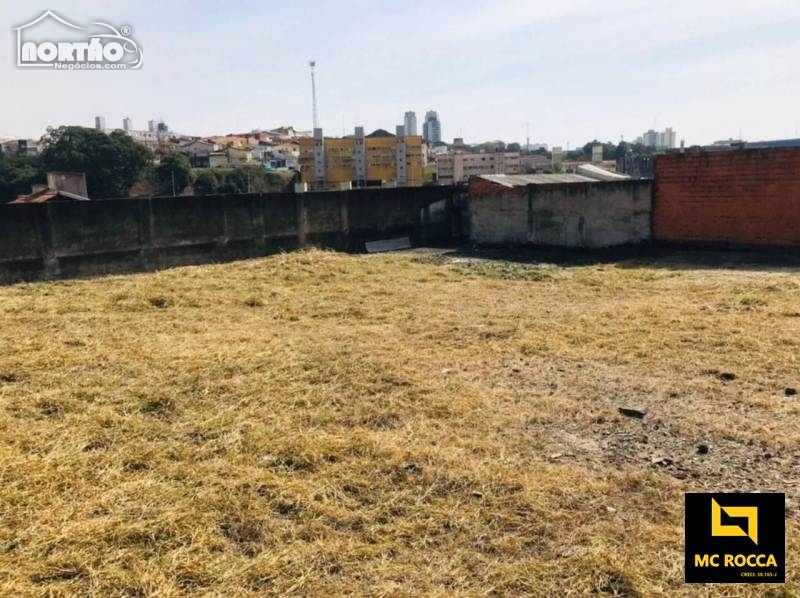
[242, 141]
[199, 152]
[597, 153]
[432, 128]
[152, 126]
[557, 157]
[263, 152]
[289, 148]
[20, 147]
[280, 162]
[374, 160]
[230, 157]
[239, 156]
[410, 123]
[458, 167]
[659, 139]
[100, 123]
[670, 138]
[218, 160]
[533, 163]
[636, 166]
[149, 139]
[289, 133]
[127, 124]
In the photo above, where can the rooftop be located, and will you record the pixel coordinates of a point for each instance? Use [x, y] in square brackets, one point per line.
[523, 180]
[46, 195]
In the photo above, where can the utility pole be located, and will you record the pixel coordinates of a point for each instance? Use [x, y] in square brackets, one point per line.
[312, 64]
[528, 137]
[173, 182]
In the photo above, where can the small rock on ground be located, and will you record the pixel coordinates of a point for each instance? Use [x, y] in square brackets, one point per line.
[636, 412]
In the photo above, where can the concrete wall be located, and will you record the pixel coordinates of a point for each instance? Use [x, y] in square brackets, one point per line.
[601, 214]
[741, 197]
[65, 239]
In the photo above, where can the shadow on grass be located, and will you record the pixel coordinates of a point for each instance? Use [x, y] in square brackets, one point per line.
[641, 256]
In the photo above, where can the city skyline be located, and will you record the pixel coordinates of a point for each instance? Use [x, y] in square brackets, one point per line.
[575, 72]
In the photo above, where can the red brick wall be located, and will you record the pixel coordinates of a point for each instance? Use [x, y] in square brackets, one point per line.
[747, 197]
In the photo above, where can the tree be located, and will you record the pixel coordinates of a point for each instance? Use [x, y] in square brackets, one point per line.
[622, 149]
[237, 181]
[174, 168]
[17, 175]
[112, 163]
[206, 183]
[587, 149]
[513, 147]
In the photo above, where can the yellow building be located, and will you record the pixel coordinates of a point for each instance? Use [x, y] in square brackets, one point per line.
[376, 160]
[237, 141]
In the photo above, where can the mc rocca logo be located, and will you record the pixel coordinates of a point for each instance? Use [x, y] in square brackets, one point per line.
[108, 49]
[721, 530]
[735, 538]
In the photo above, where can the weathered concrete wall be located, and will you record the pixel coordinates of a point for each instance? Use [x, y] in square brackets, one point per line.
[601, 214]
[64, 239]
[740, 197]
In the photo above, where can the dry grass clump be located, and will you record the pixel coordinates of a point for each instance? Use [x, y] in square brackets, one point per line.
[317, 423]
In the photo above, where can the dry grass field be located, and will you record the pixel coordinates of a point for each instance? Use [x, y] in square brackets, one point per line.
[395, 425]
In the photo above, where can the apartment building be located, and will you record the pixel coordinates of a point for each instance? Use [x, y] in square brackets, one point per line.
[375, 160]
[457, 167]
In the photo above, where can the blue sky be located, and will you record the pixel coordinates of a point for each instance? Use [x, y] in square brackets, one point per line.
[574, 70]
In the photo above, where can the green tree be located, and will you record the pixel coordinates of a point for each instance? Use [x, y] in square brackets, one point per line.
[513, 147]
[173, 168]
[206, 183]
[112, 163]
[17, 175]
[586, 153]
[237, 181]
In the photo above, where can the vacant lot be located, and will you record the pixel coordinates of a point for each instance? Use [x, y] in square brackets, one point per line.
[406, 424]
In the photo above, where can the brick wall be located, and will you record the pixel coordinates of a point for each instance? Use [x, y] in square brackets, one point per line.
[741, 197]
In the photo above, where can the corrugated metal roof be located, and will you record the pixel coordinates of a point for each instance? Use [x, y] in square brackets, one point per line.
[774, 143]
[601, 174]
[46, 195]
[522, 180]
[42, 196]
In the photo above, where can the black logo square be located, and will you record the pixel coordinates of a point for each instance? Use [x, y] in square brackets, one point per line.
[735, 538]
